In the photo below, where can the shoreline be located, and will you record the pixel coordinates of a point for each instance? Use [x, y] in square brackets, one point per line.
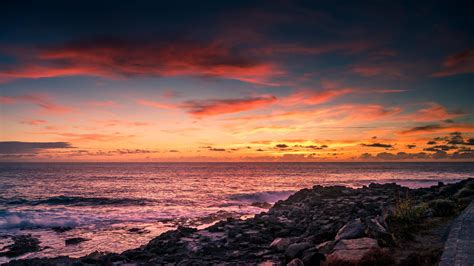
[314, 225]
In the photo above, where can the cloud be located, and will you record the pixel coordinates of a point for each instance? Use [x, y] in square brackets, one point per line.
[95, 136]
[158, 105]
[226, 106]
[307, 96]
[42, 101]
[19, 147]
[377, 145]
[34, 122]
[438, 128]
[108, 57]
[459, 63]
[282, 146]
[216, 149]
[317, 49]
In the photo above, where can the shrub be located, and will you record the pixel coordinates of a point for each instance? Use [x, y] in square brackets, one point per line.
[405, 212]
[465, 192]
[443, 207]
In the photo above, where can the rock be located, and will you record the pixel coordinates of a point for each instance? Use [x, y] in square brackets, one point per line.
[61, 229]
[295, 262]
[74, 240]
[296, 249]
[311, 256]
[22, 244]
[280, 244]
[139, 231]
[326, 247]
[376, 230]
[353, 229]
[352, 250]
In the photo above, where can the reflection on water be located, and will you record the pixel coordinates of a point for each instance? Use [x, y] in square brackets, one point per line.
[118, 206]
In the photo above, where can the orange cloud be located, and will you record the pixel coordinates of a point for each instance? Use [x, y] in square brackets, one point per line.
[159, 105]
[226, 106]
[34, 122]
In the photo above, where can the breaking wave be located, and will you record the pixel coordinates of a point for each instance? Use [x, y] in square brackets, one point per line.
[76, 201]
[264, 196]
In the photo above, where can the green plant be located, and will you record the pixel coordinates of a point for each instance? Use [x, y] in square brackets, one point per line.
[443, 207]
[406, 212]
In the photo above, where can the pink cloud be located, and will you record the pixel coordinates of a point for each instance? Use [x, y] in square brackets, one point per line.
[42, 101]
[459, 63]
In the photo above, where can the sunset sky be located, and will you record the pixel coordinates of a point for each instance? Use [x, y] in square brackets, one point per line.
[236, 81]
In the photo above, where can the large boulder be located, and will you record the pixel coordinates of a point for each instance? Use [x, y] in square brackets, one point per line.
[352, 250]
[296, 249]
[353, 229]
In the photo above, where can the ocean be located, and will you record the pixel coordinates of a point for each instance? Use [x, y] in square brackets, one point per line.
[118, 206]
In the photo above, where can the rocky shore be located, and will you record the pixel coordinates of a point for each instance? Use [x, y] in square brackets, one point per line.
[379, 224]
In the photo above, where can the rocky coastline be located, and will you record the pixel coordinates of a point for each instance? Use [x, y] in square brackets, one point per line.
[379, 224]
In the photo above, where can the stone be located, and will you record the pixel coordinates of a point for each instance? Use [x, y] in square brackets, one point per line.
[326, 247]
[22, 244]
[280, 244]
[296, 262]
[311, 256]
[352, 250]
[296, 249]
[353, 229]
[61, 229]
[74, 240]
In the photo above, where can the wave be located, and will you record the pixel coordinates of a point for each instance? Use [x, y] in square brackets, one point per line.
[263, 196]
[10, 220]
[76, 201]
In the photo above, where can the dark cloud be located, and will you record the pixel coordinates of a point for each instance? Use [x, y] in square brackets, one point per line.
[441, 148]
[377, 145]
[216, 149]
[311, 147]
[411, 146]
[427, 128]
[19, 147]
[281, 146]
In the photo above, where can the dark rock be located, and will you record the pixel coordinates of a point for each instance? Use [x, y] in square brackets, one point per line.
[296, 249]
[61, 229]
[353, 229]
[22, 244]
[311, 256]
[280, 244]
[295, 262]
[74, 240]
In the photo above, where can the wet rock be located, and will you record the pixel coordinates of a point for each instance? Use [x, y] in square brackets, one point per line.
[352, 250]
[61, 229]
[139, 231]
[296, 262]
[296, 249]
[22, 244]
[353, 229]
[280, 244]
[74, 240]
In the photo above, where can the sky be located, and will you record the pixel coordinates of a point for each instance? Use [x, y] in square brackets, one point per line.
[236, 81]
